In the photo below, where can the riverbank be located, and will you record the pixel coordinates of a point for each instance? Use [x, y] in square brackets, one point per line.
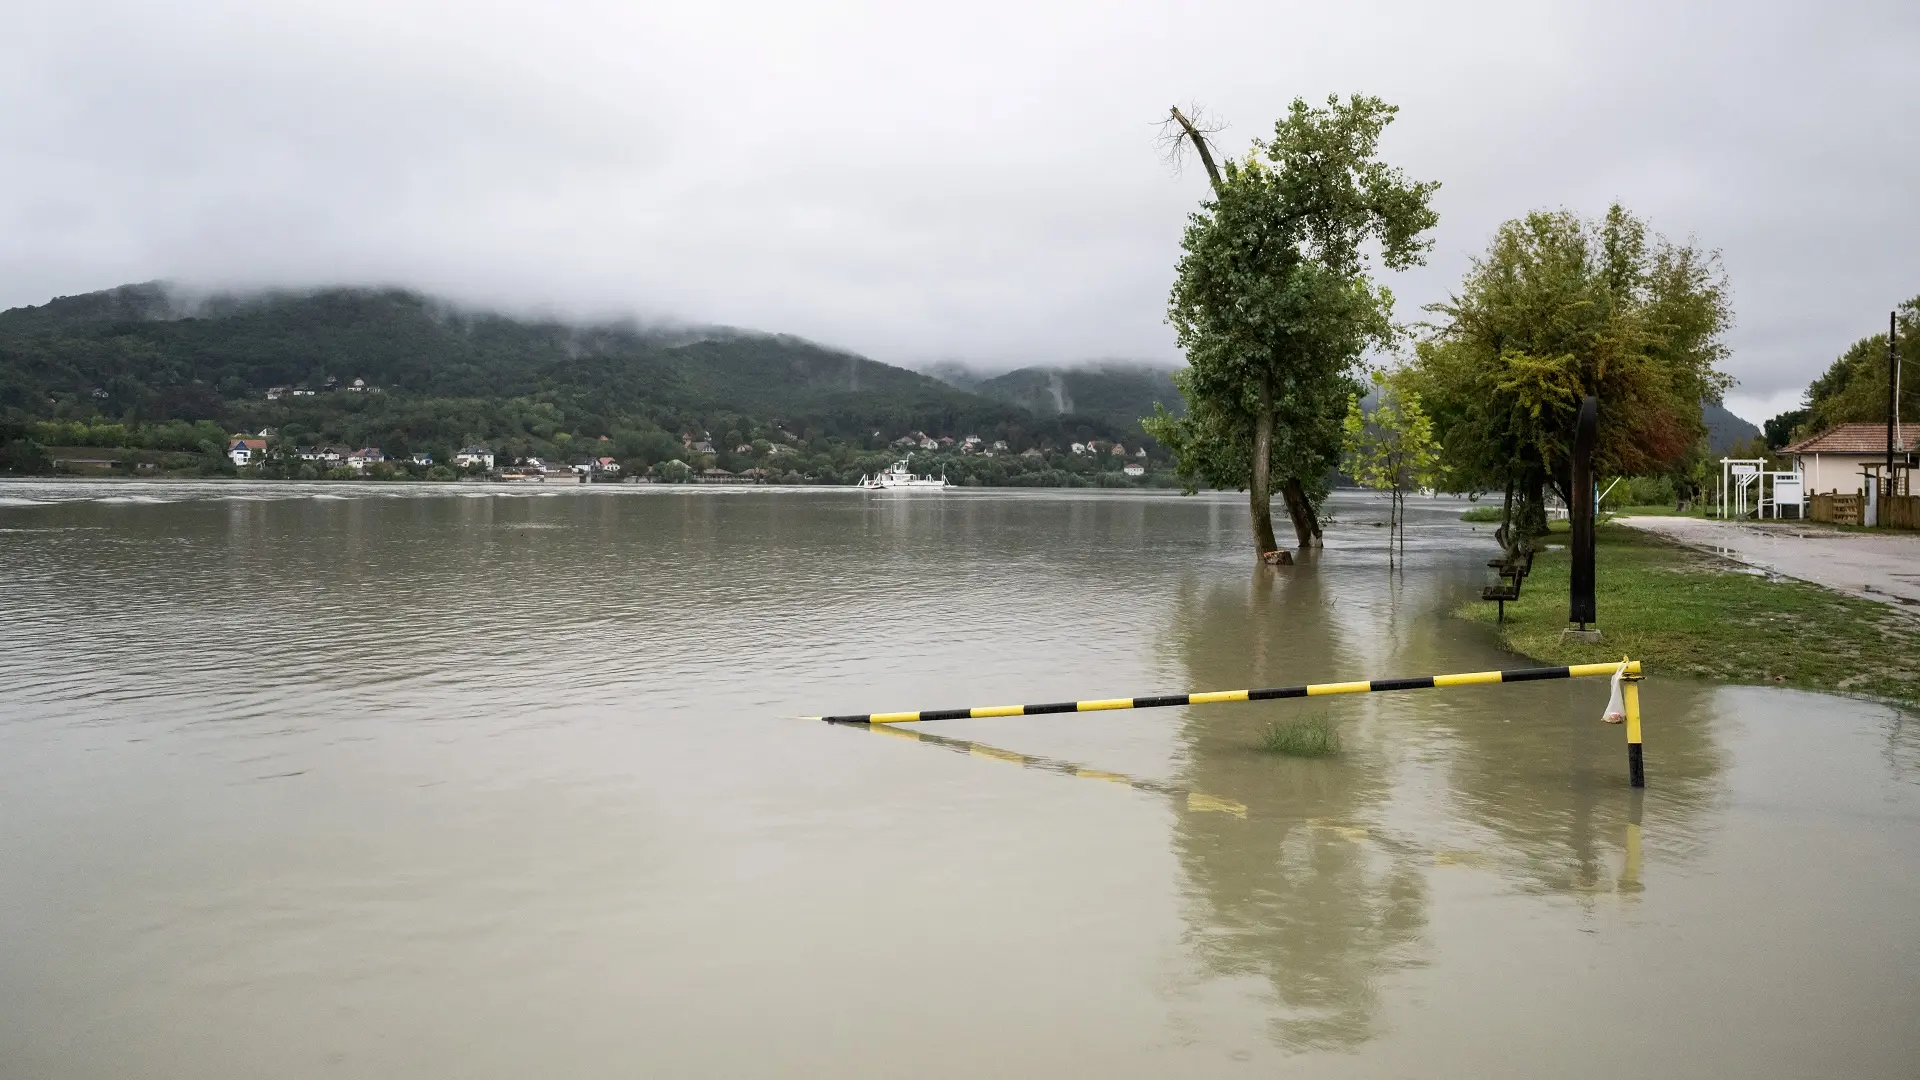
[1686, 612]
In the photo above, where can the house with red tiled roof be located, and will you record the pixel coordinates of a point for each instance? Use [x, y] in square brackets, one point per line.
[244, 451]
[1833, 460]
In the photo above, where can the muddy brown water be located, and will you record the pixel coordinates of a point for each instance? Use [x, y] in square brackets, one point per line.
[317, 781]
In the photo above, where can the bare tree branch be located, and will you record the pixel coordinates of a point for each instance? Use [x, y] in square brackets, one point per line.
[1179, 131]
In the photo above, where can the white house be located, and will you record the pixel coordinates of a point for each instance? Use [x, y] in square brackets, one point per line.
[359, 460]
[474, 455]
[1834, 460]
[607, 465]
[1134, 470]
[1079, 448]
[423, 459]
[243, 451]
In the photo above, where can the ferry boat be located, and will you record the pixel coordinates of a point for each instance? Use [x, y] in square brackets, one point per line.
[899, 476]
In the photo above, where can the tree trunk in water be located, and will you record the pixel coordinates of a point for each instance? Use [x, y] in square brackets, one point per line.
[1306, 524]
[1260, 490]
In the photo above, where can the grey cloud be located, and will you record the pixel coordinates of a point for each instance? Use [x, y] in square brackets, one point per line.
[974, 181]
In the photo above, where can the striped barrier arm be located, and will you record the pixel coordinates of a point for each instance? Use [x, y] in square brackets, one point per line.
[1162, 701]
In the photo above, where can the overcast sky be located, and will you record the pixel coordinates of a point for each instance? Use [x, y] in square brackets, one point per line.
[970, 181]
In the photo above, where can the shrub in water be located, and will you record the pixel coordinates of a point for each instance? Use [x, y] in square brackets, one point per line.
[1307, 736]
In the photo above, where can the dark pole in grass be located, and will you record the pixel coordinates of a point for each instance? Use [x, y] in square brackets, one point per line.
[1580, 512]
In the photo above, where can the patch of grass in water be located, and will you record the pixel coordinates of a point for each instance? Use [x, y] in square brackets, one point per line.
[1481, 513]
[1306, 736]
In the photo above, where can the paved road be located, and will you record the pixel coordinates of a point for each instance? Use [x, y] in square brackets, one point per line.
[1877, 566]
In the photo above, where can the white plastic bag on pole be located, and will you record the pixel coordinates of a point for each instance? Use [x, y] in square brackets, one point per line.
[1616, 706]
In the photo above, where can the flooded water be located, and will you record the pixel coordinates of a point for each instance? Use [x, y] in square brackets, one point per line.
[326, 781]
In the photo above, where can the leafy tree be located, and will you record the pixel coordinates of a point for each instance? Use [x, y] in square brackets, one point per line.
[1559, 308]
[1779, 430]
[1273, 304]
[20, 454]
[1391, 449]
[1854, 388]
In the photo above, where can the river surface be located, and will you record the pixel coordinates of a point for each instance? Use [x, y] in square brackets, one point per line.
[488, 781]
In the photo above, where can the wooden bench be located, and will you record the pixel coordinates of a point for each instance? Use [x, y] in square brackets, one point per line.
[1512, 571]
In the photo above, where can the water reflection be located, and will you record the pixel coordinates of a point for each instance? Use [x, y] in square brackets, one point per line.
[1323, 890]
[1294, 894]
[1546, 782]
[1198, 802]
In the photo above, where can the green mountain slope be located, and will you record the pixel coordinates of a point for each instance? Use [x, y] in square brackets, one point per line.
[1115, 394]
[395, 369]
[1725, 430]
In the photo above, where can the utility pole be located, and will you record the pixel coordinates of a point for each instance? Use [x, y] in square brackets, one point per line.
[1893, 391]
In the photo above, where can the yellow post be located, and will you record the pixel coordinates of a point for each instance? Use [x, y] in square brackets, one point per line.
[1636, 767]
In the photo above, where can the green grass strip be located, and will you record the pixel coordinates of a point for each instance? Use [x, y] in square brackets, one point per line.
[1684, 612]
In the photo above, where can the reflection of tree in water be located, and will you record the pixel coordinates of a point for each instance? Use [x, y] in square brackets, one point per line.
[1321, 890]
[1292, 894]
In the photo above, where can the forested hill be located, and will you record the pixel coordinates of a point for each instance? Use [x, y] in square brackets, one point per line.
[1725, 431]
[1115, 393]
[434, 375]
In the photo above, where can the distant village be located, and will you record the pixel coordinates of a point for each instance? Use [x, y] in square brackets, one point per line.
[254, 451]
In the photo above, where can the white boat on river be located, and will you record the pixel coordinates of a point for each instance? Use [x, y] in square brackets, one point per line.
[899, 476]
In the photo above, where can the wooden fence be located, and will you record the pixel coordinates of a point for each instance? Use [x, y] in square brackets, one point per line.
[1896, 511]
[1902, 512]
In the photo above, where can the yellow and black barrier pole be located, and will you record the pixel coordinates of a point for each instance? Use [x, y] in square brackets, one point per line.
[1630, 692]
[1636, 768]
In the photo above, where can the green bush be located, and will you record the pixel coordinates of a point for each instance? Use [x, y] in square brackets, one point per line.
[1639, 491]
[1307, 736]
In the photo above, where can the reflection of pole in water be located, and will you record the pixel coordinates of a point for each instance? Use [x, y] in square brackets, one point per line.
[1194, 801]
[1630, 871]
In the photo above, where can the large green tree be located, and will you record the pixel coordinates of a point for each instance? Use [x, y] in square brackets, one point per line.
[1274, 304]
[1559, 308]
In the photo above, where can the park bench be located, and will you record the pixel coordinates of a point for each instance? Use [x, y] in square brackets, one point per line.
[1513, 570]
